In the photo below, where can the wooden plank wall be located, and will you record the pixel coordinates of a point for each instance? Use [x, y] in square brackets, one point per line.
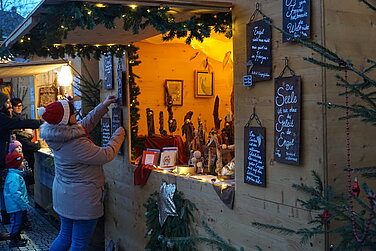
[349, 33]
[321, 150]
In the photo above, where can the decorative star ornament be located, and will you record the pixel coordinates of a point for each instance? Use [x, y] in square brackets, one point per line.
[166, 203]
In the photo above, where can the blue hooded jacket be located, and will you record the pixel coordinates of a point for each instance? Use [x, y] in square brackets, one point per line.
[15, 193]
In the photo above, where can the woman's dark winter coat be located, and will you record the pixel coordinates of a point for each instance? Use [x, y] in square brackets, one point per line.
[78, 185]
[6, 125]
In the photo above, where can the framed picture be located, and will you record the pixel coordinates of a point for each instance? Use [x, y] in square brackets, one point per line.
[204, 87]
[168, 159]
[174, 88]
[149, 158]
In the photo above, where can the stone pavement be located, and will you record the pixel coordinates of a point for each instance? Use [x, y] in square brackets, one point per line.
[40, 237]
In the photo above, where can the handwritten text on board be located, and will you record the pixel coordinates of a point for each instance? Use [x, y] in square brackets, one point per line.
[254, 156]
[287, 103]
[296, 19]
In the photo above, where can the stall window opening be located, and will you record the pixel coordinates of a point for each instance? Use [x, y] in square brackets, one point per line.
[186, 123]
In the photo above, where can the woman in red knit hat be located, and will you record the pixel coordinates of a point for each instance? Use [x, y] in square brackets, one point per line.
[79, 179]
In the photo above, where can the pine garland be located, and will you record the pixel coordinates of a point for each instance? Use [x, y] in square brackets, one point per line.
[57, 20]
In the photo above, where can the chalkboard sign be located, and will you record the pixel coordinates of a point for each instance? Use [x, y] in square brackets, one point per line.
[108, 75]
[117, 121]
[259, 50]
[296, 19]
[287, 100]
[106, 131]
[254, 156]
[121, 81]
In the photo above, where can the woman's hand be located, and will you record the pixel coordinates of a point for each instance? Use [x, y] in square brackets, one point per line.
[109, 100]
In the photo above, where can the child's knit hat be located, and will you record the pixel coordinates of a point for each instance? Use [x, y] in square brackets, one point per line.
[13, 160]
[13, 145]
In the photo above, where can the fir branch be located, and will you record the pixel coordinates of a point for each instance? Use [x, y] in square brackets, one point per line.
[362, 169]
[326, 65]
[371, 67]
[185, 241]
[282, 230]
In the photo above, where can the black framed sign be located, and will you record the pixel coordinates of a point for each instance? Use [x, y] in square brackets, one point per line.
[259, 51]
[106, 131]
[254, 156]
[108, 74]
[117, 121]
[287, 109]
[296, 19]
[122, 81]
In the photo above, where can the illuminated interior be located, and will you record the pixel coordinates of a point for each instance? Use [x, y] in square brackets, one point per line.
[166, 61]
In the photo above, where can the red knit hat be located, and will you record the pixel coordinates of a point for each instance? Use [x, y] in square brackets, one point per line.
[13, 160]
[56, 113]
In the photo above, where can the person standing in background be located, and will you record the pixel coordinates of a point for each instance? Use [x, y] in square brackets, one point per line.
[6, 125]
[25, 136]
[15, 196]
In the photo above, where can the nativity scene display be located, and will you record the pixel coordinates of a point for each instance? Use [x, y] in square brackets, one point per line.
[186, 107]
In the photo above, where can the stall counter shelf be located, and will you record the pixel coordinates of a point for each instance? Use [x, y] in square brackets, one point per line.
[44, 173]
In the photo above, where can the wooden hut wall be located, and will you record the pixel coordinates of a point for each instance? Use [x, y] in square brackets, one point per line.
[321, 149]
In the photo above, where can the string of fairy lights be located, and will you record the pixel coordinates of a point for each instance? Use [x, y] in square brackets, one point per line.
[46, 38]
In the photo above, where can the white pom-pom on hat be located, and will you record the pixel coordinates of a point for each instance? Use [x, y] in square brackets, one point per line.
[41, 111]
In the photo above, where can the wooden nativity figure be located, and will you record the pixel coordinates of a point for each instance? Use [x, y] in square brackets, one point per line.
[214, 153]
[150, 122]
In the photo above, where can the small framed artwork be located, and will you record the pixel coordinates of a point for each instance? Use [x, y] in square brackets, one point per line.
[174, 88]
[204, 84]
[168, 159]
[149, 158]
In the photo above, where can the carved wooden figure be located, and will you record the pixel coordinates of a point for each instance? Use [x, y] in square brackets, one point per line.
[150, 122]
[162, 131]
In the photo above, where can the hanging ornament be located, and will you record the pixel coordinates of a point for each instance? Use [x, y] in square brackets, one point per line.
[331, 247]
[160, 237]
[355, 188]
[166, 203]
[170, 244]
[150, 232]
[325, 216]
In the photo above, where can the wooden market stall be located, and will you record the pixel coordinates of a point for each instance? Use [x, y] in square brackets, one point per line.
[317, 141]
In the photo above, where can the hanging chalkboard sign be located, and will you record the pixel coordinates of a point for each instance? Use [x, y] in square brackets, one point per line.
[296, 19]
[254, 156]
[287, 100]
[259, 51]
[117, 121]
[106, 131]
[108, 75]
[121, 81]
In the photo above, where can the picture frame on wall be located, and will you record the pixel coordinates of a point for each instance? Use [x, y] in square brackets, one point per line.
[204, 84]
[174, 88]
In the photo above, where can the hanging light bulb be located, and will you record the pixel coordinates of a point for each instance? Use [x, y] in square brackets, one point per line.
[64, 77]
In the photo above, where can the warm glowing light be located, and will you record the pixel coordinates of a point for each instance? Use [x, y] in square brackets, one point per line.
[133, 6]
[62, 26]
[64, 77]
[100, 5]
[123, 15]
[165, 171]
[224, 186]
[89, 12]
[21, 40]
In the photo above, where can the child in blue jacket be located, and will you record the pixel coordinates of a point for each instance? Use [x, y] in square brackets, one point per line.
[15, 196]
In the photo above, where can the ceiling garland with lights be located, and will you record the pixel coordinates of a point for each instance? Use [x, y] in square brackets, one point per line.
[57, 20]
